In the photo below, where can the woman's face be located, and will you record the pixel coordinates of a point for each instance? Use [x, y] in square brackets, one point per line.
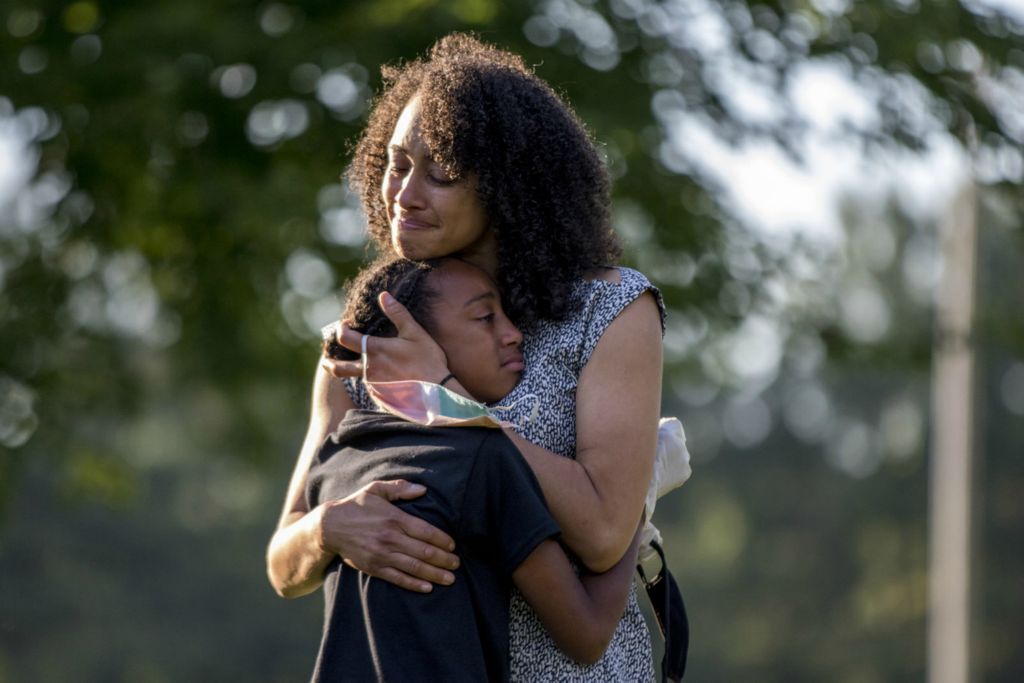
[468, 323]
[430, 214]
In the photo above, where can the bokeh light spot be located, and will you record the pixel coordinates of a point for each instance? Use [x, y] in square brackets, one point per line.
[343, 91]
[721, 532]
[902, 429]
[852, 448]
[277, 19]
[86, 49]
[309, 274]
[18, 420]
[271, 122]
[475, 11]
[747, 421]
[304, 78]
[234, 81]
[192, 128]
[541, 31]
[81, 17]
[22, 23]
[33, 60]
[807, 412]
[864, 314]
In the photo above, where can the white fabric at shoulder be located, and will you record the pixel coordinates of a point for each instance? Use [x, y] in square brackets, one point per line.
[671, 470]
[330, 330]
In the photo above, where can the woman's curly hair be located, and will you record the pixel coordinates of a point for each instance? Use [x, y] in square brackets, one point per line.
[403, 279]
[540, 178]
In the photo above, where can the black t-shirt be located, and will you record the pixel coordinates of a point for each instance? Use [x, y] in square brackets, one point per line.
[482, 493]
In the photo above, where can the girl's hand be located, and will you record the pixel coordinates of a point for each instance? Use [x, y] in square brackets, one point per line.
[381, 540]
[412, 355]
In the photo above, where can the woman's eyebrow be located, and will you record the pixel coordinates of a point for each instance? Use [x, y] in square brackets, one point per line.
[399, 149]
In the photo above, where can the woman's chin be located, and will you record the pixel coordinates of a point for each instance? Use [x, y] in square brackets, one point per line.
[414, 250]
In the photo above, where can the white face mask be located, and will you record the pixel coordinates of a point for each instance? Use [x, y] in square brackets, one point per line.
[430, 404]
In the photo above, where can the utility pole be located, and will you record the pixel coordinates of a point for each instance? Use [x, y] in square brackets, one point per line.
[949, 605]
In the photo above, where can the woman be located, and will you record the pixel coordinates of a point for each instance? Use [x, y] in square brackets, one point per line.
[469, 153]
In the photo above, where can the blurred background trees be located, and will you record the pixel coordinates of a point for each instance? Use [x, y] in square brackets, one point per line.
[173, 233]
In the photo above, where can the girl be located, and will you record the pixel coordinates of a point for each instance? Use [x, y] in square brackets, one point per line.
[479, 490]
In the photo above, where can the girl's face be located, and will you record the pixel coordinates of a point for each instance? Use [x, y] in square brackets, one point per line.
[430, 214]
[481, 343]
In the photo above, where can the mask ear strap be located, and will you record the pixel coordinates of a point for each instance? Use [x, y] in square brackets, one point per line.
[362, 344]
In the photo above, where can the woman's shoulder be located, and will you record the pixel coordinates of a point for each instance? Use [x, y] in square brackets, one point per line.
[610, 290]
[603, 274]
[617, 275]
[600, 297]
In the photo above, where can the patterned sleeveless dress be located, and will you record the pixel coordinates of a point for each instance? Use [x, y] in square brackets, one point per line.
[555, 353]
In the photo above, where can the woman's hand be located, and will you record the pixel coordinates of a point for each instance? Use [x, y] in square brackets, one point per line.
[381, 540]
[412, 355]
[384, 541]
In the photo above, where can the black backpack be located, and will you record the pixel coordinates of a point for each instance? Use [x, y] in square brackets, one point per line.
[670, 611]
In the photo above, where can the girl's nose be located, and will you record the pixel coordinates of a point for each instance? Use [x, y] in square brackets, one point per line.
[511, 334]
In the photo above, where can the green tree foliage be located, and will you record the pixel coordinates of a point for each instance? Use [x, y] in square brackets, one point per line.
[173, 232]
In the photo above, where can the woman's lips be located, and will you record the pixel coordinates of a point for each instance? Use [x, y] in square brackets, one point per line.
[412, 224]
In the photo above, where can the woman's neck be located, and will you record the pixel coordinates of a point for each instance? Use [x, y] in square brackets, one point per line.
[483, 254]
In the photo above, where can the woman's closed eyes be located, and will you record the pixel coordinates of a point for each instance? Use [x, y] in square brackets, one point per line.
[400, 167]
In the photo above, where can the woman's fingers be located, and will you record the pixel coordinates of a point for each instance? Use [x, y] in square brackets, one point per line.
[411, 564]
[407, 581]
[406, 325]
[392, 575]
[342, 368]
[395, 489]
[427, 542]
[349, 338]
[378, 538]
[412, 355]
[415, 538]
[419, 569]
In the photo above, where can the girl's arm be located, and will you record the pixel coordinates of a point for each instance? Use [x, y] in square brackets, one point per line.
[597, 498]
[366, 529]
[580, 612]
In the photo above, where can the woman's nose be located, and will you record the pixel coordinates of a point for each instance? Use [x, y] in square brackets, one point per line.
[409, 193]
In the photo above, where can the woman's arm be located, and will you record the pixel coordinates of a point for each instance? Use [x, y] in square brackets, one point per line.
[366, 529]
[598, 497]
[580, 612]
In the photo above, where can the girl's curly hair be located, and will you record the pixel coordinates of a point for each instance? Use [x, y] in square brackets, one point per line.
[405, 280]
[540, 177]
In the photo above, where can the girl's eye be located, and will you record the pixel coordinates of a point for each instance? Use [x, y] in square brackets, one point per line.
[397, 170]
[486, 318]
